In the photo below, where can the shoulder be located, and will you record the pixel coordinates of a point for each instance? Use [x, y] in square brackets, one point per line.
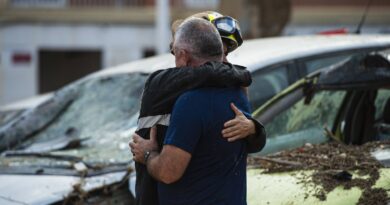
[215, 64]
[204, 95]
[195, 98]
[191, 105]
[239, 67]
[160, 77]
[170, 75]
[159, 73]
[197, 93]
[212, 91]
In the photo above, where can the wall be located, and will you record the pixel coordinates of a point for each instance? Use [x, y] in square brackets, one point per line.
[118, 43]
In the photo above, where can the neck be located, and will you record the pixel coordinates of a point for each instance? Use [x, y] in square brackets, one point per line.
[196, 62]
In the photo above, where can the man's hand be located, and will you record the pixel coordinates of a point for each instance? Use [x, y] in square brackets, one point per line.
[239, 127]
[140, 146]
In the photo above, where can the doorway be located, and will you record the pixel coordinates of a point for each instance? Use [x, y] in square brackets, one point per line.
[61, 67]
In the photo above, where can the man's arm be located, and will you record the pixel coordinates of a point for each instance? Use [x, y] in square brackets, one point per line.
[210, 74]
[167, 166]
[163, 87]
[170, 165]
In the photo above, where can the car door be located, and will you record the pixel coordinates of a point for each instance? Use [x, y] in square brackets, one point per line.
[364, 116]
[291, 123]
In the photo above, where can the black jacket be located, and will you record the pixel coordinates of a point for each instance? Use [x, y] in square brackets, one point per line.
[160, 93]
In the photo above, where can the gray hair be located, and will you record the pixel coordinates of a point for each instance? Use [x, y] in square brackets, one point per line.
[200, 38]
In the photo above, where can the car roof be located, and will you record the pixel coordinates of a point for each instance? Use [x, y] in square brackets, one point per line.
[258, 53]
[263, 52]
[146, 65]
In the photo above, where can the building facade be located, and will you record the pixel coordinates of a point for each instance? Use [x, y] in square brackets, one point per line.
[46, 44]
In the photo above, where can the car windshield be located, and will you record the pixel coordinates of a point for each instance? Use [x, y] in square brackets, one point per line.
[101, 119]
[301, 123]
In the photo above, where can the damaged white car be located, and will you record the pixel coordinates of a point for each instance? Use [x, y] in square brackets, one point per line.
[71, 146]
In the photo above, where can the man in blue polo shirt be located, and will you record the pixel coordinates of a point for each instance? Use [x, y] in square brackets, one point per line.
[197, 165]
[216, 173]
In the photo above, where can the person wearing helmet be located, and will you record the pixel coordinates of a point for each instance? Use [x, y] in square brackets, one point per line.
[228, 28]
[162, 89]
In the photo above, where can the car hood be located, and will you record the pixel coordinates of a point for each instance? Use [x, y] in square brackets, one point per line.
[47, 189]
[289, 189]
[324, 177]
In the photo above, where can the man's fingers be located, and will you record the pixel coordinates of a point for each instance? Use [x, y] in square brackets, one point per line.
[136, 138]
[230, 129]
[153, 133]
[230, 123]
[235, 109]
[232, 134]
[132, 145]
[232, 139]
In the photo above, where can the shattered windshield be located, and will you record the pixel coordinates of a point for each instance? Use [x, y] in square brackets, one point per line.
[321, 111]
[302, 123]
[95, 128]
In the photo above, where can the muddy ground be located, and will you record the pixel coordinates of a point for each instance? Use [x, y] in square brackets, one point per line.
[334, 164]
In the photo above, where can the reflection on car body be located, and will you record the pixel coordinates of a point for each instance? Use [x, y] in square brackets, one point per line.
[94, 125]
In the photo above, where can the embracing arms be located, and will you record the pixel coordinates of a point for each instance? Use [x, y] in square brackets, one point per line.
[167, 166]
[165, 86]
[241, 127]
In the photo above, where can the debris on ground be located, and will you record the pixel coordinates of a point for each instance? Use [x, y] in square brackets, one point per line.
[117, 193]
[334, 164]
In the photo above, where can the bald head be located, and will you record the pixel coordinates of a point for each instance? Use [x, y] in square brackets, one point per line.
[200, 39]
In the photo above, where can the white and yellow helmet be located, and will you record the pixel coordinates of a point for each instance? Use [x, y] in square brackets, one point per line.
[227, 27]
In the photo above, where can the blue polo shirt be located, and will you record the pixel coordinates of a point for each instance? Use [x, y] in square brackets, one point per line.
[216, 173]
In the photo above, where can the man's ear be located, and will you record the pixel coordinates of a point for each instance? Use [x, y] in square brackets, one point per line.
[180, 58]
[185, 57]
[188, 59]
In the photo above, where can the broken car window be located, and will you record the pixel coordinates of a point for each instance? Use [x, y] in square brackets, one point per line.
[301, 123]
